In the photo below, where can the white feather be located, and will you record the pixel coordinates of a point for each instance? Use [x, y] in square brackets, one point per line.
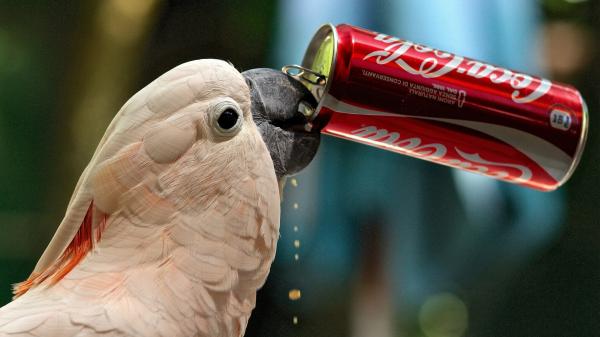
[188, 213]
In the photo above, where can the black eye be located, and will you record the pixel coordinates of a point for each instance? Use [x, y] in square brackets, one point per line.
[228, 119]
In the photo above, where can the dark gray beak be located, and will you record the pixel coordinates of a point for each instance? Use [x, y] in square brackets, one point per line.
[276, 101]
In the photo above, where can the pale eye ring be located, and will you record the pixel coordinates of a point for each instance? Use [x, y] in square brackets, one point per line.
[227, 118]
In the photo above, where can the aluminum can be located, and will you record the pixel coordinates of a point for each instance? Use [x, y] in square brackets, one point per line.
[411, 99]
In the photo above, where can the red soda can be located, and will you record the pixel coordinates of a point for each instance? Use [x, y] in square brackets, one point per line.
[411, 99]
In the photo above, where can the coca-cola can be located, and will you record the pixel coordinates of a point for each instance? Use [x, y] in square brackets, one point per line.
[415, 100]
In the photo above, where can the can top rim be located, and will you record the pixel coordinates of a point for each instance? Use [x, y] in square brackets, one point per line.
[309, 57]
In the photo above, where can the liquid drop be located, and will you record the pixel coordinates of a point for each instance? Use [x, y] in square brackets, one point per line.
[294, 294]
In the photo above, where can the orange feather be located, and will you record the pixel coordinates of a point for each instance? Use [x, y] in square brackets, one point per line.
[80, 246]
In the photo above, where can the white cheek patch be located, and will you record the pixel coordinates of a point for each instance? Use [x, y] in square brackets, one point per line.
[168, 141]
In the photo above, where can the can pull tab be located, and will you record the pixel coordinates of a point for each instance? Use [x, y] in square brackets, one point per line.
[314, 81]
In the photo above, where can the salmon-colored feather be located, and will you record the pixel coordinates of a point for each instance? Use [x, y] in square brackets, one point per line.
[193, 224]
[80, 246]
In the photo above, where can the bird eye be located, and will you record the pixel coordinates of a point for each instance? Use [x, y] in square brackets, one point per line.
[228, 119]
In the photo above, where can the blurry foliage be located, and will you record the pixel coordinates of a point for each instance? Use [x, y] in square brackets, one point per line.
[238, 31]
[559, 293]
[574, 10]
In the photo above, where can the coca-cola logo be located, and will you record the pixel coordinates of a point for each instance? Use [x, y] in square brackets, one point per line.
[438, 153]
[439, 63]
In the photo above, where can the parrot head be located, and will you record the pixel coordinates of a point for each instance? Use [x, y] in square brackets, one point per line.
[179, 205]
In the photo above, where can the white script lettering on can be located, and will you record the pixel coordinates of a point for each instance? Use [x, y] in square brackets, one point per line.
[438, 152]
[441, 63]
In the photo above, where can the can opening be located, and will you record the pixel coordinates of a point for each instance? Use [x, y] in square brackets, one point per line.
[320, 56]
[317, 65]
[322, 60]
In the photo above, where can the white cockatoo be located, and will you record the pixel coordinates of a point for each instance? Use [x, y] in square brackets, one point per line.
[173, 225]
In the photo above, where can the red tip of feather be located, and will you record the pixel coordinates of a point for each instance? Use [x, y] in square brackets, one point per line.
[82, 243]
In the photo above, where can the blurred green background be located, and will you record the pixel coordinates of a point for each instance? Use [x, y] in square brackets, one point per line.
[67, 67]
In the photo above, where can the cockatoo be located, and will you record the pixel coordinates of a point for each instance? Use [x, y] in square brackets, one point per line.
[173, 225]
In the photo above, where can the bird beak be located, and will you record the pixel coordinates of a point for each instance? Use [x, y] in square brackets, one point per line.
[278, 103]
